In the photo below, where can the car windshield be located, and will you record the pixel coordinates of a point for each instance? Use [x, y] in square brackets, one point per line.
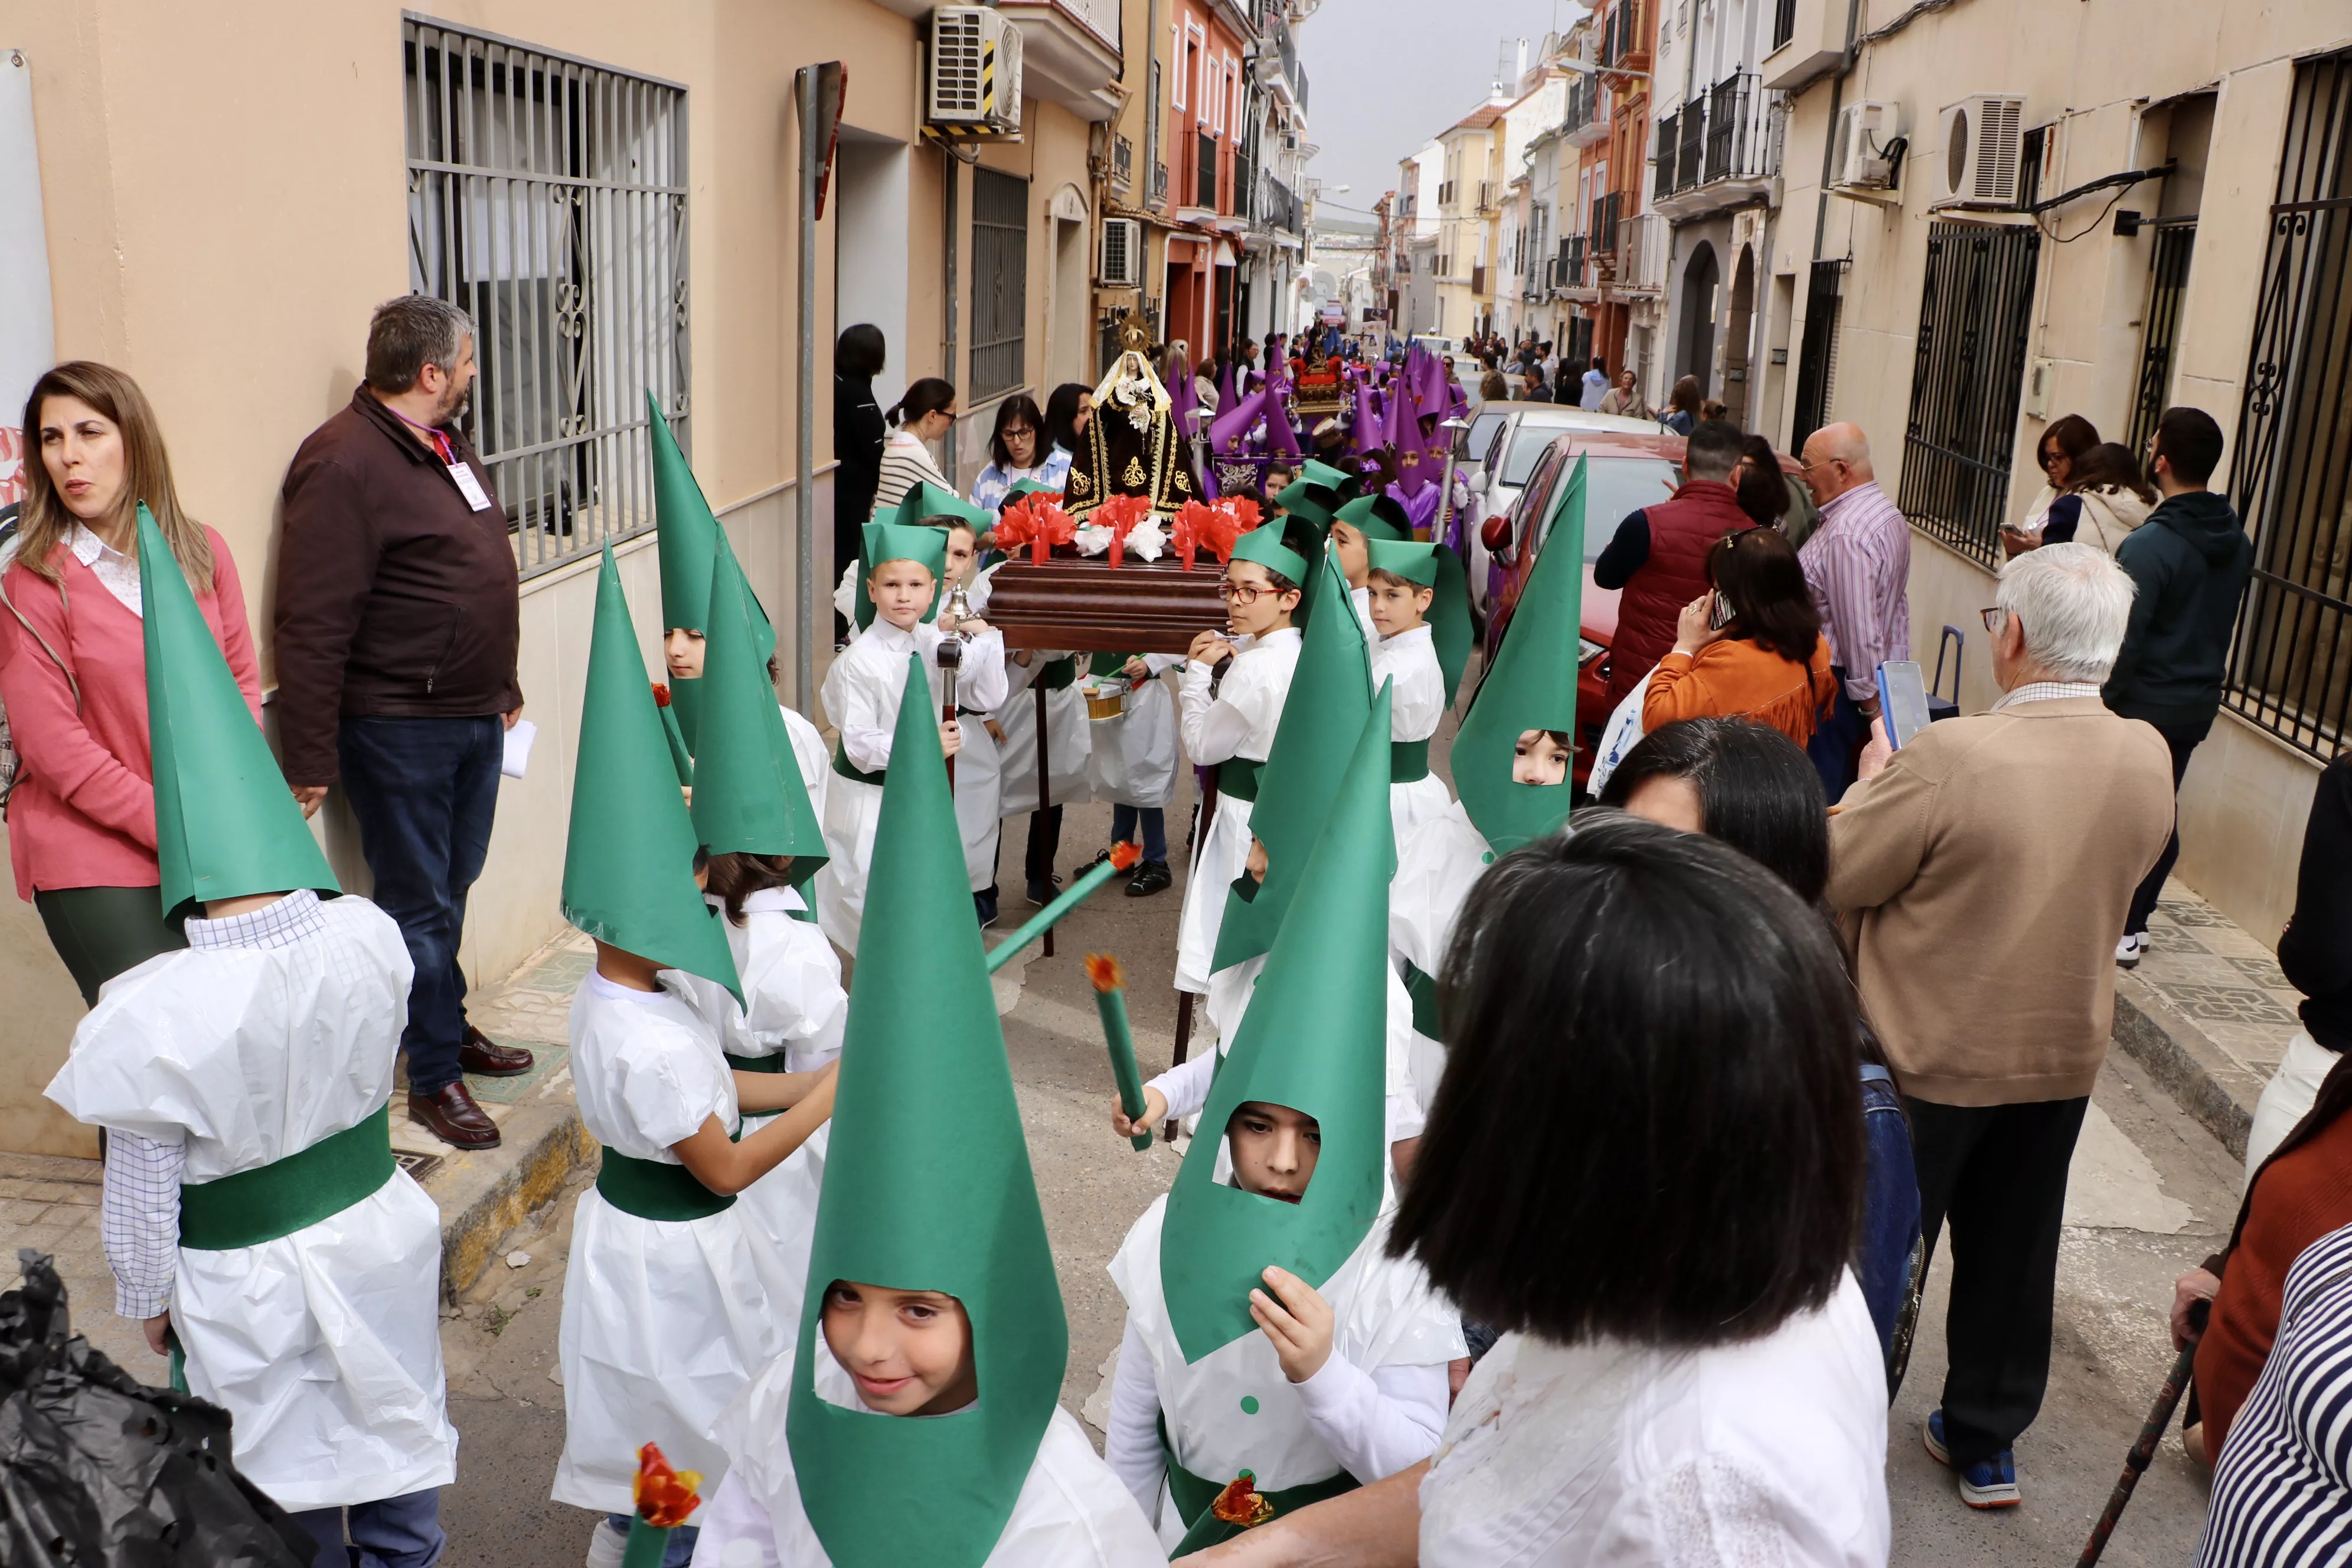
[1480, 436]
[1527, 444]
[1615, 489]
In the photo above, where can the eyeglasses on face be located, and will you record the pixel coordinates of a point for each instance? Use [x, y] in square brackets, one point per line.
[1994, 618]
[1240, 593]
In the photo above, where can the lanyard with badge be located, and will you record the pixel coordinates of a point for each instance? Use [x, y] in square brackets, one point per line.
[468, 485]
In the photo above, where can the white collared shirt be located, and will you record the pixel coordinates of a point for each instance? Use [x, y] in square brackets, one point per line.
[116, 572]
[2047, 692]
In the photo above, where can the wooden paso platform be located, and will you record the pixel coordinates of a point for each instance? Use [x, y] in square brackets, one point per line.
[1079, 604]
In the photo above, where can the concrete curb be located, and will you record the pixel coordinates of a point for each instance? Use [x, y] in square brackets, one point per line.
[2200, 1075]
[484, 1195]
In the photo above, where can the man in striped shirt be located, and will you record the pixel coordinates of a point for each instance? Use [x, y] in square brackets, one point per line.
[1858, 565]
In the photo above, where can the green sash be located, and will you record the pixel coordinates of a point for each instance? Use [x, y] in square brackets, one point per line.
[1193, 1496]
[277, 1199]
[1422, 989]
[756, 1064]
[653, 1189]
[1058, 675]
[849, 770]
[1408, 760]
[1237, 778]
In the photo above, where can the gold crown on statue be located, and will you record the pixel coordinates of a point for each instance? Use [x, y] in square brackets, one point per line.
[1134, 333]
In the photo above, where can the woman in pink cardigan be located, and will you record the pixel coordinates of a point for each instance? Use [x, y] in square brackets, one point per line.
[73, 666]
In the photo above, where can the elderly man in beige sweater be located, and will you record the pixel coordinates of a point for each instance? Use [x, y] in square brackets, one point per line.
[1983, 873]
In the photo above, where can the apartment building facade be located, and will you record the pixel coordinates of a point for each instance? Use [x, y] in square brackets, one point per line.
[615, 193]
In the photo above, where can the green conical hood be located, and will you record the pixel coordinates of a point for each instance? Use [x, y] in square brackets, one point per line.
[628, 867]
[1437, 568]
[1020, 488]
[226, 825]
[879, 541]
[1330, 692]
[1531, 686]
[1264, 545]
[1315, 1039]
[1379, 515]
[749, 795]
[927, 1187]
[926, 501]
[684, 530]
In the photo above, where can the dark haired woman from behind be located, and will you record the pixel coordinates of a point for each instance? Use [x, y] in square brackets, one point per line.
[73, 665]
[1681, 407]
[1643, 1165]
[1067, 413]
[859, 434]
[1752, 648]
[1756, 790]
[1762, 488]
[923, 416]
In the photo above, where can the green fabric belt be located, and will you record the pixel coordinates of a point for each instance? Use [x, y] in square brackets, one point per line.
[1408, 760]
[756, 1064]
[1109, 663]
[1060, 673]
[1193, 1496]
[849, 770]
[651, 1189]
[285, 1196]
[1422, 989]
[1237, 778]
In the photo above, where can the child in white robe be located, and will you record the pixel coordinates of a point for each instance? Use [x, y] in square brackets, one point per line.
[1228, 722]
[861, 693]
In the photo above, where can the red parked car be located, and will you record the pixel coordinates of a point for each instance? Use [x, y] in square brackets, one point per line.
[1623, 473]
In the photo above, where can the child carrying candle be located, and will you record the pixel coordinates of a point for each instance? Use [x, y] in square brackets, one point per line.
[914, 1419]
[661, 1223]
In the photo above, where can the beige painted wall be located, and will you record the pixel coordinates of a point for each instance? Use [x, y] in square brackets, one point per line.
[226, 244]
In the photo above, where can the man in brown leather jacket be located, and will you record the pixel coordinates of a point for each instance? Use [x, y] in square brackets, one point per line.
[397, 621]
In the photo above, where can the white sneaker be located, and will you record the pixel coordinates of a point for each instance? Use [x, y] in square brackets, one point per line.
[608, 1547]
[2130, 951]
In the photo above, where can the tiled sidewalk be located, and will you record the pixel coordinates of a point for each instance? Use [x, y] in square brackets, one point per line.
[2209, 1012]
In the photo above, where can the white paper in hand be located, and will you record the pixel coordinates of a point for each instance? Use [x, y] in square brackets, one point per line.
[518, 756]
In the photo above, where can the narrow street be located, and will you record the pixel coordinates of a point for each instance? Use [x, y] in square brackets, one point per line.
[2151, 1194]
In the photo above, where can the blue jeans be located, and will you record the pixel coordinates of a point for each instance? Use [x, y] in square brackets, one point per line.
[399, 1533]
[425, 791]
[1890, 1212]
[676, 1551]
[1123, 820]
[1838, 741]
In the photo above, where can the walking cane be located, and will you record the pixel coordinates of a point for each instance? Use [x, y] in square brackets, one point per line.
[2143, 1452]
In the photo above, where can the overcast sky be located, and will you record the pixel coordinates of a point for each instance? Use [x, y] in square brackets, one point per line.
[1384, 76]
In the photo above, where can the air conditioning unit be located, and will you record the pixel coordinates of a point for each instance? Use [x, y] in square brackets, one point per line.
[1866, 153]
[975, 71]
[1122, 253]
[1982, 137]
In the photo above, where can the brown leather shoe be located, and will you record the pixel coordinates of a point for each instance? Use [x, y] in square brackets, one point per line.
[485, 1055]
[452, 1116]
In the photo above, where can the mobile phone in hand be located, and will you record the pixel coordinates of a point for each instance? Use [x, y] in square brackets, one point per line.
[1719, 613]
[1902, 700]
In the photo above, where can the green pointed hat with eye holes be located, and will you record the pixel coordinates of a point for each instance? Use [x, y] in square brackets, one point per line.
[686, 535]
[1315, 1039]
[928, 1187]
[1531, 685]
[1330, 692]
[224, 825]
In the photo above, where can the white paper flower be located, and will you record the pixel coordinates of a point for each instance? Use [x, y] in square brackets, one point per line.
[1147, 540]
[1093, 539]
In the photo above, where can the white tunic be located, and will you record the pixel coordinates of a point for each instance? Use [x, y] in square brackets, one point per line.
[1386, 1318]
[1133, 756]
[664, 1321]
[1072, 1511]
[862, 691]
[1067, 741]
[809, 751]
[1416, 703]
[1437, 865]
[323, 1346]
[791, 978]
[1604, 1453]
[1239, 721]
[979, 772]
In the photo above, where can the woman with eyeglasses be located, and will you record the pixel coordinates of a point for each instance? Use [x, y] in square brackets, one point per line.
[1018, 450]
[2062, 444]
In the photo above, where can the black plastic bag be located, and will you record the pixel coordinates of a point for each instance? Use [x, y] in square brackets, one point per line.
[98, 1470]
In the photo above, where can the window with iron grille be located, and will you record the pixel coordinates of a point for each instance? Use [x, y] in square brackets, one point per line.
[1665, 183]
[1968, 376]
[547, 196]
[1000, 280]
[1204, 173]
[1817, 358]
[2291, 472]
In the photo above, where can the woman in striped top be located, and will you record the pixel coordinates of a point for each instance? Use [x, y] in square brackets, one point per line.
[2279, 1493]
[922, 417]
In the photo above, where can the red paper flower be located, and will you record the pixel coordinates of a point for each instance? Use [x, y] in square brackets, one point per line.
[1241, 1502]
[664, 1496]
[1211, 528]
[661, 694]
[1244, 511]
